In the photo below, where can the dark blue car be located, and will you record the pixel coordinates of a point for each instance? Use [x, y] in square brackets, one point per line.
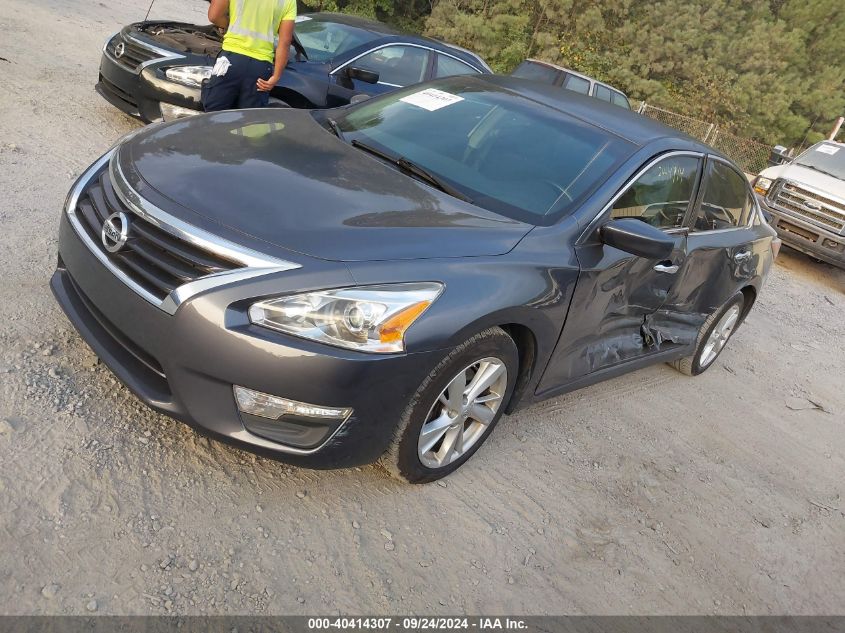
[154, 70]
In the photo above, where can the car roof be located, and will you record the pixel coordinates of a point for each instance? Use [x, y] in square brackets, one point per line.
[635, 128]
[540, 62]
[391, 34]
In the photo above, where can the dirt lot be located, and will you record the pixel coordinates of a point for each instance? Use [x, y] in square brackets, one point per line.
[653, 493]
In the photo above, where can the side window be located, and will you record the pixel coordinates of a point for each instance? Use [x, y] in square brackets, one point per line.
[726, 202]
[661, 196]
[620, 100]
[396, 65]
[449, 66]
[536, 72]
[577, 84]
[602, 92]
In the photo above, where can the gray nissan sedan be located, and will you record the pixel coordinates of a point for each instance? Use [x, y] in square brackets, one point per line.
[382, 282]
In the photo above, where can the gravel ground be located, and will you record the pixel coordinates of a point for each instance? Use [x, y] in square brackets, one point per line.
[653, 493]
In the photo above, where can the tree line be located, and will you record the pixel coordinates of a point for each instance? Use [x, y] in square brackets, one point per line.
[773, 70]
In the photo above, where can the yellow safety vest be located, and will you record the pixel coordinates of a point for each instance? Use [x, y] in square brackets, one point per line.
[254, 26]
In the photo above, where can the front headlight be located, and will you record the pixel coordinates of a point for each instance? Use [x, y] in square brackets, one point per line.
[369, 319]
[192, 76]
[762, 185]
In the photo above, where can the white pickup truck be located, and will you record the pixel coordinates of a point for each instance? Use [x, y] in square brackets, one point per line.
[805, 200]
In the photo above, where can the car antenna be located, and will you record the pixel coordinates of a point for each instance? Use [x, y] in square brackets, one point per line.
[147, 17]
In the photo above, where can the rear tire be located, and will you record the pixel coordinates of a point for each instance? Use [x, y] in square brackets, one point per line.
[713, 336]
[457, 413]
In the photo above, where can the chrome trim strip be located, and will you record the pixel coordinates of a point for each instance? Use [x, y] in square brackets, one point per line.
[381, 46]
[824, 210]
[70, 210]
[255, 440]
[256, 264]
[187, 232]
[186, 291]
[164, 55]
[818, 192]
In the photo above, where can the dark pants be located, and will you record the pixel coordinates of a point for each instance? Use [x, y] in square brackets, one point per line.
[237, 88]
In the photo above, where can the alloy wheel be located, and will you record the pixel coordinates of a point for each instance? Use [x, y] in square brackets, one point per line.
[719, 336]
[462, 412]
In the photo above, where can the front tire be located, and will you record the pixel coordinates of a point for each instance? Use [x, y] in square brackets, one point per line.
[713, 337]
[455, 409]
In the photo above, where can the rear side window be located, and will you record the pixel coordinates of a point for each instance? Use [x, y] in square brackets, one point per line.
[661, 196]
[449, 67]
[602, 92]
[620, 100]
[536, 72]
[726, 202]
[577, 84]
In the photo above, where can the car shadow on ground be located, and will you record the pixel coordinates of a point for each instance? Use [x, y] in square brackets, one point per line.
[808, 269]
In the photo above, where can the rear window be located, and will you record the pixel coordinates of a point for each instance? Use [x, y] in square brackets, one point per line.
[602, 92]
[536, 72]
[577, 84]
[620, 100]
[449, 66]
[506, 153]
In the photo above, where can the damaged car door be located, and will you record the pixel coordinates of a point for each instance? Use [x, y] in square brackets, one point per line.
[724, 251]
[613, 318]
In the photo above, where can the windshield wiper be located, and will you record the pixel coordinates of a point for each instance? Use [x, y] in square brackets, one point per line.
[336, 128]
[412, 168]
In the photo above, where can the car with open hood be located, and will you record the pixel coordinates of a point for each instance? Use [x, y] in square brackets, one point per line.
[383, 281]
[154, 70]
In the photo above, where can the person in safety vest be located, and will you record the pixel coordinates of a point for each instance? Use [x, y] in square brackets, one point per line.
[255, 52]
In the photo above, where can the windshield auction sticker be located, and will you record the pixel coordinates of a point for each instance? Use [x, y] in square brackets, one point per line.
[827, 149]
[431, 99]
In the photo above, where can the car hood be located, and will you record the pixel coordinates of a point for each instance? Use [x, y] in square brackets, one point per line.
[810, 177]
[278, 176]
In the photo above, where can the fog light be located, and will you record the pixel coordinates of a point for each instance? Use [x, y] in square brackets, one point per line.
[170, 112]
[273, 407]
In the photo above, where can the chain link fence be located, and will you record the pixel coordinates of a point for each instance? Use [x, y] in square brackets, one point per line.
[751, 155]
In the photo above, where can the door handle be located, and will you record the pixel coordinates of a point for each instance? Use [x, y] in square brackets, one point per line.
[742, 256]
[663, 268]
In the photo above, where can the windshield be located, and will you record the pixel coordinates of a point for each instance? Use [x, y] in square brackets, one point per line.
[323, 40]
[503, 151]
[825, 157]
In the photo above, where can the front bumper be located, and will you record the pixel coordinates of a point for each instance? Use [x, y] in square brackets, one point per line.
[140, 94]
[808, 238]
[185, 364]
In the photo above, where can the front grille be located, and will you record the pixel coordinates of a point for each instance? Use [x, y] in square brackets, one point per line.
[830, 214]
[154, 259]
[132, 55]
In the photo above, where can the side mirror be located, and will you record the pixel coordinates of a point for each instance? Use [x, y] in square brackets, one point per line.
[779, 156]
[367, 76]
[358, 98]
[638, 238]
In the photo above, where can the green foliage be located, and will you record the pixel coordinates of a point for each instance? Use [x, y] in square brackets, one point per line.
[773, 70]
[769, 69]
[405, 14]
